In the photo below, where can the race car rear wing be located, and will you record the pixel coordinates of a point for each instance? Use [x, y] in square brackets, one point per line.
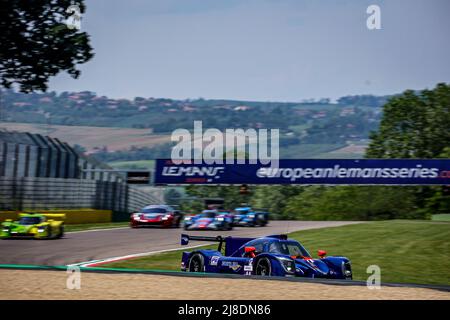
[231, 243]
[185, 238]
[56, 216]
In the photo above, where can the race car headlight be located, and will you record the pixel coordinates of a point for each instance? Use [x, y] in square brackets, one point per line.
[5, 229]
[187, 218]
[41, 228]
[347, 268]
[288, 264]
[220, 219]
[165, 217]
[251, 215]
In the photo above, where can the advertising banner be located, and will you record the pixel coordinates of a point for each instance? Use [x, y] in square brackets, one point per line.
[309, 171]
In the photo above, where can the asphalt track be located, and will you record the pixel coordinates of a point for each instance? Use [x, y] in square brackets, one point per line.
[83, 246]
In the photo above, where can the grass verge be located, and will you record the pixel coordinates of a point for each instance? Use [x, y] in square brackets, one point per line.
[441, 217]
[406, 251]
[138, 164]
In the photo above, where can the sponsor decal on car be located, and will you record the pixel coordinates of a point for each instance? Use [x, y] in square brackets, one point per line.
[232, 265]
[248, 269]
[214, 260]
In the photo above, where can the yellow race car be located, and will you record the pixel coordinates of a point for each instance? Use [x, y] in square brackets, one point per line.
[34, 225]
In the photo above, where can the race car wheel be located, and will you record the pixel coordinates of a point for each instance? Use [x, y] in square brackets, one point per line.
[197, 263]
[49, 233]
[227, 227]
[258, 222]
[177, 223]
[263, 267]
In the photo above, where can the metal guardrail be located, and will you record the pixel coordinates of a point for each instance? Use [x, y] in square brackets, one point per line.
[58, 193]
[38, 172]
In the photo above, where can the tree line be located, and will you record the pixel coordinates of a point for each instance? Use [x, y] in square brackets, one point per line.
[413, 125]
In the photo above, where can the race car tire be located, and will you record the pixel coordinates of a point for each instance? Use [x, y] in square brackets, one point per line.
[177, 223]
[61, 232]
[227, 226]
[263, 267]
[186, 227]
[261, 222]
[49, 234]
[196, 263]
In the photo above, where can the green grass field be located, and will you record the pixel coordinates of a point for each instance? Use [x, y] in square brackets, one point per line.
[406, 251]
[93, 226]
[338, 155]
[300, 127]
[138, 164]
[441, 217]
[304, 151]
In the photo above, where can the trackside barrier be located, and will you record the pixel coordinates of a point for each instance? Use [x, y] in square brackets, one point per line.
[81, 216]
[57, 193]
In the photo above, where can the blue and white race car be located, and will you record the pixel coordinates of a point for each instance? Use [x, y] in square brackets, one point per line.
[209, 220]
[247, 217]
[268, 256]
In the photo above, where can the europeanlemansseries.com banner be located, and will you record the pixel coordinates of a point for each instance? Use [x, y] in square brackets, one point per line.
[309, 171]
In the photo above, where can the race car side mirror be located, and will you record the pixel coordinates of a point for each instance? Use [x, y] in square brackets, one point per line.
[249, 249]
[321, 253]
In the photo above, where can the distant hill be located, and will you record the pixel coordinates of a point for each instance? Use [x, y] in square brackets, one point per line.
[309, 128]
[94, 139]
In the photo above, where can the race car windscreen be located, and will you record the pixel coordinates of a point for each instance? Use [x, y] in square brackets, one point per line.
[241, 211]
[154, 210]
[208, 214]
[290, 248]
[29, 220]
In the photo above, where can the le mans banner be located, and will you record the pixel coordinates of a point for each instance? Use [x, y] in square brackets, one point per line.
[308, 172]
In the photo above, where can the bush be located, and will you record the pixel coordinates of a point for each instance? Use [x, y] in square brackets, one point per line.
[354, 203]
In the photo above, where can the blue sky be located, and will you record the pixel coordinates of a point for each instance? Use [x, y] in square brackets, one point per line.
[269, 50]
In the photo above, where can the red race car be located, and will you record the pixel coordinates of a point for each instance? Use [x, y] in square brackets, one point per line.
[156, 215]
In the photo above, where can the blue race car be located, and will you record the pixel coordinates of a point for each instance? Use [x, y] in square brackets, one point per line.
[209, 220]
[268, 256]
[247, 217]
